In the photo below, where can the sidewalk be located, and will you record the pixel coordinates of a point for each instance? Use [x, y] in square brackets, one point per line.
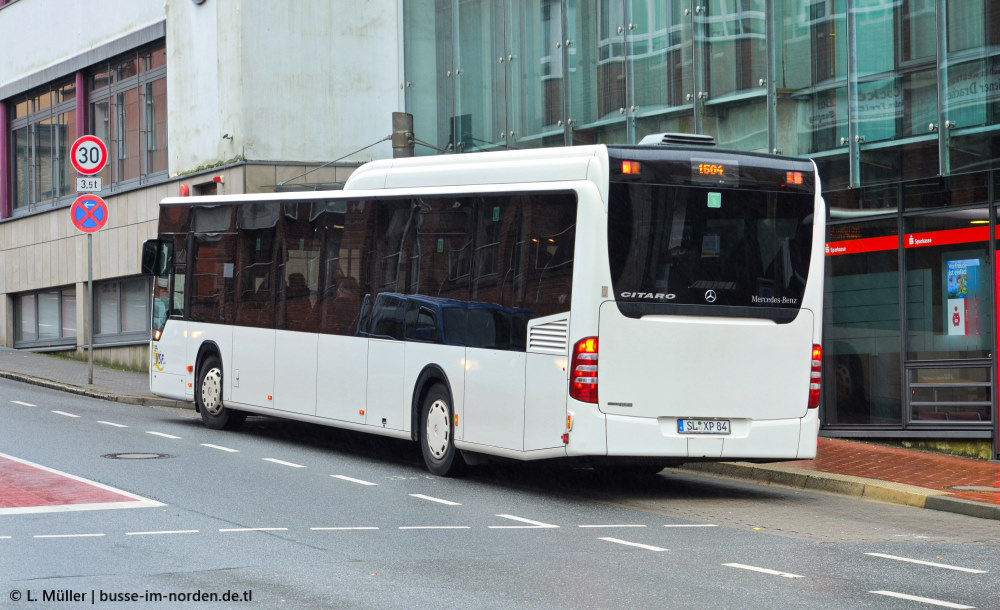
[900, 476]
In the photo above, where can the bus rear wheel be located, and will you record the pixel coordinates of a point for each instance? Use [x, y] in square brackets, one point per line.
[208, 394]
[437, 430]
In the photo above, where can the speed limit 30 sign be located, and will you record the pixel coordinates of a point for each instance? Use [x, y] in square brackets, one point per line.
[89, 154]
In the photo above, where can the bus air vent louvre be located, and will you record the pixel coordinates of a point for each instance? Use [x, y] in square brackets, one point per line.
[677, 139]
[549, 337]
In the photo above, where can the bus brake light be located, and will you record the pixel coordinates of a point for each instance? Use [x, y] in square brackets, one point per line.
[814, 376]
[583, 373]
[793, 177]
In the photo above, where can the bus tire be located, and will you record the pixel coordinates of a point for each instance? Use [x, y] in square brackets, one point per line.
[208, 394]
[437, 429]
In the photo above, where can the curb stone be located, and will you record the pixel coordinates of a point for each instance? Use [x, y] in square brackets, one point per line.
[859, 487]
[144, 401]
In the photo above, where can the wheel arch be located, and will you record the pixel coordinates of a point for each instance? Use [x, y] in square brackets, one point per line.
[430, 375]
[205, 350]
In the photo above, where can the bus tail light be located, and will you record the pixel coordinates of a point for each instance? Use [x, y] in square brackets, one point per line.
[814, 376]
[583, 373]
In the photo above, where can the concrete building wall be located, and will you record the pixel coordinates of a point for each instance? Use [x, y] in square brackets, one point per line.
[68, 29]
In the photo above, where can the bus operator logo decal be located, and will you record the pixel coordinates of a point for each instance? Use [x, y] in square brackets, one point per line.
[710, 296]
[159, 359]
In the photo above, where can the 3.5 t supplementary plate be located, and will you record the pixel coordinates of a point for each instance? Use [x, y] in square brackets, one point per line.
[703, 426]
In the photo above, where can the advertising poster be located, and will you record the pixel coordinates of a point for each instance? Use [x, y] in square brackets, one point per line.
[962, 286]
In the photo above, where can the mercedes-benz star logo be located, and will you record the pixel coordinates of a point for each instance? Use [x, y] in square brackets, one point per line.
[710, 296]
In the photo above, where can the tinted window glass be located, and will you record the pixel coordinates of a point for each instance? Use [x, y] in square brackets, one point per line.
[708, 251]
[212, 278]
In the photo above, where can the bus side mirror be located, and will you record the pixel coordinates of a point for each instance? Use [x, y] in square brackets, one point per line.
[155, 257]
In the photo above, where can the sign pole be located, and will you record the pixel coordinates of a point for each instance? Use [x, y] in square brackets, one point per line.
[89, 213]
[90, 308]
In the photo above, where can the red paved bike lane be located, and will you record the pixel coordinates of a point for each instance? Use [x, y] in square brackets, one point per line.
[26, 487]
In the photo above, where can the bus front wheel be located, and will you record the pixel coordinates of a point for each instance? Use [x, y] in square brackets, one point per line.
[208, 394]
[437, 433]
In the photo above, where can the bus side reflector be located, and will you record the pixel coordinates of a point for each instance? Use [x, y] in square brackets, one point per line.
[456, 420]
[156, 335]
[815, 375]
[361, 412]
[565, 438]
[190, 368]
[269, 397]
[583, 373]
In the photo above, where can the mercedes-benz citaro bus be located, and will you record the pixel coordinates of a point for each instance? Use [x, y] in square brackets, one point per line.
[645, 305]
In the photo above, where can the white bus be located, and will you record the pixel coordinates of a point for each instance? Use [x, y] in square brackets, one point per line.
[650, 304]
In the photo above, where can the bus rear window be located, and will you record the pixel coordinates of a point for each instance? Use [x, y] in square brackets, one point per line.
[709, 251]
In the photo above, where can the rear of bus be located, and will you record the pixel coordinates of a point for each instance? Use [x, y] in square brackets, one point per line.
[709, 349]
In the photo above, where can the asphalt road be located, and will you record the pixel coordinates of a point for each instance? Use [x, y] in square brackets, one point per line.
[301, 516]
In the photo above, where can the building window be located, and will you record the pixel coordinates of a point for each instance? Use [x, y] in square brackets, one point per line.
[45, 318]
[43, 128]
[128, 110]
[121, 310]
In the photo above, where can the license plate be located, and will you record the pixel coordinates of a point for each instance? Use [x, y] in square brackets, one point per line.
[703, 426]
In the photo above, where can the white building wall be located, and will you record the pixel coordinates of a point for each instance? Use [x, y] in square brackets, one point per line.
[38, 34]
[309, 81]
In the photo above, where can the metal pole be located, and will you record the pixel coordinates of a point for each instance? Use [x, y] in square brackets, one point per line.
[90, 308]
[402, 134]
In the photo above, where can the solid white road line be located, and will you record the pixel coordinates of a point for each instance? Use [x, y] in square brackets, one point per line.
[762, 570]
[23, 404]
[161, 533]
[693, 525]
[635, 544]
[623, 525]
[283, 463]
[925, 600]
[435, 527]
[340, 529]
[352, 480]
[928, 563]
[532, 524]
[255, 529]
[220, 448]
[163, 435]
[108, 423]
[69, 536]
[65, 413]
[433, 499]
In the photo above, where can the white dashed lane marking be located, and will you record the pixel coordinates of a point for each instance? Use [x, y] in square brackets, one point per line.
[112, 424]
[65, 414]
[23, 404]
[622, 525]
[340, 529]
[647, 547]
[164, 435]
[433, 499]
[531, 524]
[161, 533]
[434, 527]
[352, 480]
[762, 570]
[693, 525]
[220, 448]
[69, 536]
[254, 529]
[923, 600]
[928, 563]
[283, 463]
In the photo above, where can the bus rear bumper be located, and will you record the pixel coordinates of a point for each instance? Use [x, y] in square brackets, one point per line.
[775, 439]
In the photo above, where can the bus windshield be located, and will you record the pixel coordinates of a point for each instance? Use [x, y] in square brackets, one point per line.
[709, 250]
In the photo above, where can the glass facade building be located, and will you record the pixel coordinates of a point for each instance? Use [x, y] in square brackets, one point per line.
[897, 101]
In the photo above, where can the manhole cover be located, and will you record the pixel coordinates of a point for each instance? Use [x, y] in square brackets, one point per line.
[136, 456]
[980, 488]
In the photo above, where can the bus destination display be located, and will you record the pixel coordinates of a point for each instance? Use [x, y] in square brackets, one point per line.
[715, 171]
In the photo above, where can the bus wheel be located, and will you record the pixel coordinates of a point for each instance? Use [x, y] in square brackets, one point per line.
[436, 434]
[208, 394]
